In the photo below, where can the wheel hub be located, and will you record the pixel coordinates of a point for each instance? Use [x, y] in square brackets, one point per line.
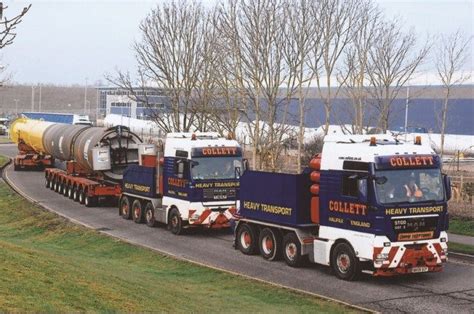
[291, 251]
[343, 262]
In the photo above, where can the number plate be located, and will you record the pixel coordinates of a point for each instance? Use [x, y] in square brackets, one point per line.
[419, 269]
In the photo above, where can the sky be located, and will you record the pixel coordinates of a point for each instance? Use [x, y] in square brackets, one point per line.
[71, 42]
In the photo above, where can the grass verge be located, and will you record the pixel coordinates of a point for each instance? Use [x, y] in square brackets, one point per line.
[463, 226]
[48, 264]
[3, 160]
[461, 248]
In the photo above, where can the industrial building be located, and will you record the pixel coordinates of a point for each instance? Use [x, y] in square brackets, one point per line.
[138, 104]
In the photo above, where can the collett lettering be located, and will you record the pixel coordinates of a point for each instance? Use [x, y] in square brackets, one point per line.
[219, 151]
[348, 208]
[411, 161]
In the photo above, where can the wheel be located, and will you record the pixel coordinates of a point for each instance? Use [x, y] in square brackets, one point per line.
[137, 212]
[16, 167]
[82, 196]
[65, 189]
[56, 186]
[247, 239]
[47, 182]
[344, 262]
[269, 244]
[75, 196]
[70, 192]
[292, 250]
[90, 201]
[150, 215]
[175, 223]
[53, 184]
[125, 211]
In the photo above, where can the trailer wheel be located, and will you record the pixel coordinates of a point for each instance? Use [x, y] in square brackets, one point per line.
[52, 184]
[90, 201]
[47, 182]
[137, 212]
[82, 196]
[270, 244]
[345, 264]
[65, 188]
[56, 185]
[247, 239]
[292, 250]
[150, 215]
[125, 211]
[70, 191]
[175, 223]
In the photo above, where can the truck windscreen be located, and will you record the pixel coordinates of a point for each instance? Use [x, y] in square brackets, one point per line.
[207, 168]
[409, 185]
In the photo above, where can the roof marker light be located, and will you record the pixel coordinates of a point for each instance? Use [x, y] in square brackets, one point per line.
[373, 141]
[418, 140]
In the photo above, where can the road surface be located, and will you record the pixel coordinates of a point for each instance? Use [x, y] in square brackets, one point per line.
[449, 291]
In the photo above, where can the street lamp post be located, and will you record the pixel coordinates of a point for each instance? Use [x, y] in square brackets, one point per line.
[16, 106]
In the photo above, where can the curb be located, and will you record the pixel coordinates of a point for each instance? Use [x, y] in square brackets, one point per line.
[31, 200]
[461, 256]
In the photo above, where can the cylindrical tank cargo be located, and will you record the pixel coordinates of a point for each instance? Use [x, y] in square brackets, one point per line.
[58, 140]
[30, 132]
[91, 145]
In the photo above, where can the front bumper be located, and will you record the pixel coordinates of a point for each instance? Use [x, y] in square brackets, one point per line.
[409, 257]
[211, 219]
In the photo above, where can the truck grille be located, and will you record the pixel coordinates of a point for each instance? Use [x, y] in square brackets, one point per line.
[411, 229]
[219, 194]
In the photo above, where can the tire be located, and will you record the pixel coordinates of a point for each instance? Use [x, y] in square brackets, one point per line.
[90, 201]
[47, 182]
[292, 250]
[81, 196]
[16, 167]
[125, 208]
[269, 243]
[150, 215]
[53, 184]
[56, 186]
[344, 263]
[247, 239]
[70, 192]
[75, 192]
[138, 213]
[175, 223]
[65, 189]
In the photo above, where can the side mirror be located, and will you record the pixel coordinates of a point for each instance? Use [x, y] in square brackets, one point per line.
[362, 186]
[447, 186]
[245, 163]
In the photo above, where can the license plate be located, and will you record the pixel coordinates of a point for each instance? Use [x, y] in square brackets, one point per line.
[419, 269]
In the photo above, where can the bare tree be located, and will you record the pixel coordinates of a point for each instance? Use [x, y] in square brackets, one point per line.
[170, 57]
[255, 41]
[393, 59]
[338, 21]
[452, 54]
[356, 56]
[303, 34]
[8, 32]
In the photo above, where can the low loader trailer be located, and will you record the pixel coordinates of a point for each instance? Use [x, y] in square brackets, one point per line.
[370, 204]
[191, 181]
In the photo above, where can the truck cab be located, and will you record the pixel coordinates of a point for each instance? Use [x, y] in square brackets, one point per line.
[196, 181]
[370, 203]
[386, 199]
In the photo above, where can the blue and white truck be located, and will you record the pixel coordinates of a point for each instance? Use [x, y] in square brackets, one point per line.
[366, 204]
[192, 180]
